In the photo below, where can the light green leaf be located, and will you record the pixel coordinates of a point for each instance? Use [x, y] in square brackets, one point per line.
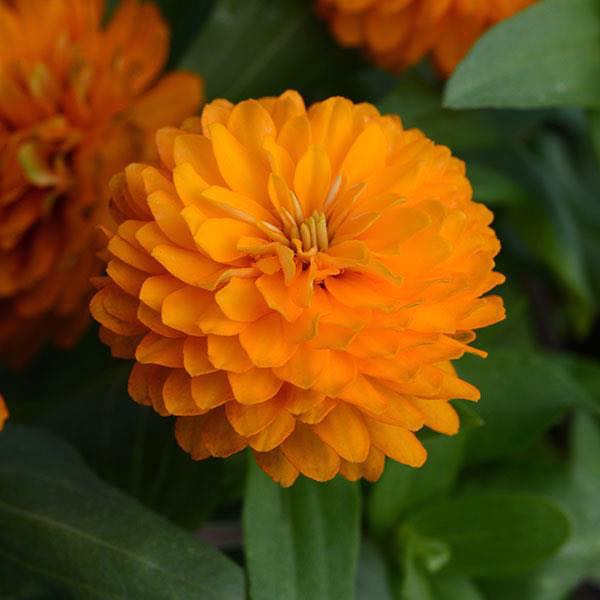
[301, 543]
[60, 522]
[250, 48]
[494, 533]
[546, 55]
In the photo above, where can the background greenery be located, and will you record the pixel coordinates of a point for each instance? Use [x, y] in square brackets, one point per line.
[96, 500]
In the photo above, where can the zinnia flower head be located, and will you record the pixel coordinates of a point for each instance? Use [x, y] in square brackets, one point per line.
[3, 412]
[399, 33]
[298, 281]
[78, 102]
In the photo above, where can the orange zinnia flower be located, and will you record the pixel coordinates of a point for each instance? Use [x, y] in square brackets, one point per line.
[399, 33]
[78, 102]
[297, 281]
[3, 412]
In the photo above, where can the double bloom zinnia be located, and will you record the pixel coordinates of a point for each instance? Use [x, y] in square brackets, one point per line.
[399, 33]
[298, 281]
[78, 102]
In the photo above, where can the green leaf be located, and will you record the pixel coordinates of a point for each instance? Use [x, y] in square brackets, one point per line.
[402, 488]
[419, 105]
[251, 48]
[373, 577]
[301, 543]
[60, 522]
[493, 187]
[494, 533]
[522, 394]
[574, 486]
[547, 55]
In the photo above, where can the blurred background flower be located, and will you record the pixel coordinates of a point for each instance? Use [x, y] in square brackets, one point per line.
[78, 101]
[397, 34]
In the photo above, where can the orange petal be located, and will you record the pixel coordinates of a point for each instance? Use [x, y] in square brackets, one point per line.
[219, 437]
[182, 309]
[226, 353]
[440, 415]
[190, 267]
[304, 367]
[313, 458]
[264, 342]
[274, 434]
[397, 443]
[155, 289]
[188, 433]
[277, 467]
[333, 128]
[155, 349]
[345, 431]
[211, 390]
[277, 296]
[195, 356]
[240, 168]
[241, 301]
[219, 238]
[248, 420]
[177, 394]
[337, 373]
[312, 179]
[254, 386]
[367, 155]
[250, 123]
[298, 401]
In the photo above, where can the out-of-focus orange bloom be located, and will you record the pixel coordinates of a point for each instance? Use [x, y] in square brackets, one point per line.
[3, 412]
[399, 33]
[78, 102]
[298, 281]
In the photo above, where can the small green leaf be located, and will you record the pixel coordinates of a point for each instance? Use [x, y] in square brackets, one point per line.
[301, 543]
[547, 55]
[60, 522]
[494, 533]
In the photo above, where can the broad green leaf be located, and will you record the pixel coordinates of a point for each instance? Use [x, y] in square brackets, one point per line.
[126, 444]
[522, 393]
[546, 55]
[60, 522]
[301, 543]
[250, 48]
[495, 533]
[402, 488]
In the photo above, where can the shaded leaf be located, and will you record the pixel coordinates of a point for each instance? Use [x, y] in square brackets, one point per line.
[58, 521]
[251, 48]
